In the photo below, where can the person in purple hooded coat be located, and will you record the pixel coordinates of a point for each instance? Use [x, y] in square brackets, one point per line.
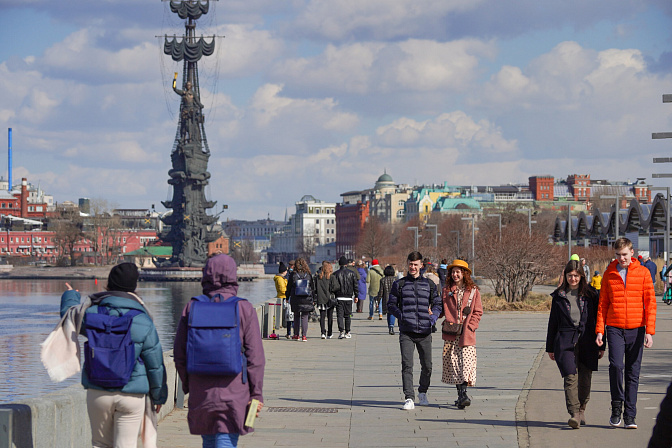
[218, 404]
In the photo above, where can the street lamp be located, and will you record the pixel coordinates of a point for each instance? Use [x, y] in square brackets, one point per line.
[617, 219]
[473, 233]
[458, 241]
[529, 218]
[499, 215]
[417, 235]
[436, 234]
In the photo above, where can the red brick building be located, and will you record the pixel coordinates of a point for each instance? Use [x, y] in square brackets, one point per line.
[579, 186]
[41, 245]
[542, 187]
[350, 220]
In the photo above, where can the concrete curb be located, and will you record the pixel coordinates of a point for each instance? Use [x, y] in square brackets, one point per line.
[521, 415]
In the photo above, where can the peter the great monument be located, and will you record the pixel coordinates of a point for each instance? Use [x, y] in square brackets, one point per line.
[189, 222]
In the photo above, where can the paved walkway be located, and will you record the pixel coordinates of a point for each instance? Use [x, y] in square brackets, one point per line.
[347, 393]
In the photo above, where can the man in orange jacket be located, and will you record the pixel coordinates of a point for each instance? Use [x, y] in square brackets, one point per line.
[628, 311]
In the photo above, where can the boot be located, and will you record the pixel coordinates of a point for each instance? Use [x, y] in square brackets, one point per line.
[582, 414]
[459, 393]
[463, 400]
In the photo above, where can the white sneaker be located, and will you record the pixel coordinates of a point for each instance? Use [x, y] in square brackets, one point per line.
[324, 336]
[422, 399]
[408, 405]
[330, 336]
[348, 335]
[342, 335]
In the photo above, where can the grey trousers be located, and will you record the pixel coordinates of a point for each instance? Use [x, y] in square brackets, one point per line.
[408, 342]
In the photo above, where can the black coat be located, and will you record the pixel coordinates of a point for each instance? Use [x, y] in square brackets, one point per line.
[300, 304]
[344, 283]
[562, 336]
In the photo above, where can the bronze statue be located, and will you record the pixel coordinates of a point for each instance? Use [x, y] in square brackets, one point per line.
[187, 227]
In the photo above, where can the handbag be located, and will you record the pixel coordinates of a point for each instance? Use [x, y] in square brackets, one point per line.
[455, 328]
[332, 301]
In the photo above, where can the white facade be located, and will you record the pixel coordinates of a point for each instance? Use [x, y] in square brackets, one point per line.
[313, 224]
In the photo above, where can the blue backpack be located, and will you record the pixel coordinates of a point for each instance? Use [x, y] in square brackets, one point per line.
[109, 353]
[213, 338]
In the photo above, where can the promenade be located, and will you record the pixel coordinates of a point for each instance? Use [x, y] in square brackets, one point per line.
[347, 393]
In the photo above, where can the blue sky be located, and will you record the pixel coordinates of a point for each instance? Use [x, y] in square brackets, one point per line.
[319, 96]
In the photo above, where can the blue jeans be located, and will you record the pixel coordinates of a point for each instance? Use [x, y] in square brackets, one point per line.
[372, 300]
[220, 440]
[628, 344]
[390, 320]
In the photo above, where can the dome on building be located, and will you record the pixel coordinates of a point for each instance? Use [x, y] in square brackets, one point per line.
[385, 178]
[384, 182]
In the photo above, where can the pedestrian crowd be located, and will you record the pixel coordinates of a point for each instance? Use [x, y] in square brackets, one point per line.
[220, 360]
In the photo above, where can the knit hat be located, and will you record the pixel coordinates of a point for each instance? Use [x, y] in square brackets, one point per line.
[123, 277]
[374, 262]
[342, 261]
[282, 268]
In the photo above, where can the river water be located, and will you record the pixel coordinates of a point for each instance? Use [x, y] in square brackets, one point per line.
[29, 311]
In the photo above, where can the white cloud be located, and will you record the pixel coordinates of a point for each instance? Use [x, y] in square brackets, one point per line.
[374, 68]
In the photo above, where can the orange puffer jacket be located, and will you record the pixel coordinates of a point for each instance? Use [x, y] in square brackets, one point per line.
[632, 305]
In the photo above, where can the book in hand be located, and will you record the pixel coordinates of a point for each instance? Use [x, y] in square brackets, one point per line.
[252, 413]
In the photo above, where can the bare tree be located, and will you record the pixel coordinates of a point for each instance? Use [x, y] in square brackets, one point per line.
[99, 227]
[243, 252]
[519, 261]
[67, 233]
[374, 238]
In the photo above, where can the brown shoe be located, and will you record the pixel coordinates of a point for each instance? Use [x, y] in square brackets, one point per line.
[574, 422]
[369, 318]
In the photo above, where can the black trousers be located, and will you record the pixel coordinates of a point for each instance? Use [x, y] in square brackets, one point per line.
[329, 314]
[343, 312]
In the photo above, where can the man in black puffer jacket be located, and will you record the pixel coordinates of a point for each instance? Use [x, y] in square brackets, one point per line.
[344, 284]
[410, 301]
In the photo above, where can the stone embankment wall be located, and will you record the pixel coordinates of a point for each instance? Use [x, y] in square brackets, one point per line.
[60, 419]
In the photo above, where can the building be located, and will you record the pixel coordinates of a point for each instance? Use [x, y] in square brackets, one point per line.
[313, 224]
[350, 220]
[542, 187]
[579, 186]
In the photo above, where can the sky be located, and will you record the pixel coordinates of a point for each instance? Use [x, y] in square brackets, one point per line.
[321, 97]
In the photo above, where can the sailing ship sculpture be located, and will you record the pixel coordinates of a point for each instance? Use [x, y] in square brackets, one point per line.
[189, 223]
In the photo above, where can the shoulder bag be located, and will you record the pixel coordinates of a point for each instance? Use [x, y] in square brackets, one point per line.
[455, 328]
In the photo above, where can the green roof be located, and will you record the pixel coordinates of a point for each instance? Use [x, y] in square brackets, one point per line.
[154, 251]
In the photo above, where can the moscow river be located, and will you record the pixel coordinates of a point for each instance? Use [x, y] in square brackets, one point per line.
[29, 311]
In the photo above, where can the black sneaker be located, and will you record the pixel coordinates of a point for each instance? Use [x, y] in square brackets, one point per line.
[615, 419]
[629, 422]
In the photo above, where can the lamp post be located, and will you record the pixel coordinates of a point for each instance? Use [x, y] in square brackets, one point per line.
[473, 233]
[666, 245]
[436, 234]
[415, 229]
[617, 218]
[529, 218]
[458, 241]
[499, 215]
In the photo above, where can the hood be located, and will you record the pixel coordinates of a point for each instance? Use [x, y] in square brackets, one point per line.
[220, 276]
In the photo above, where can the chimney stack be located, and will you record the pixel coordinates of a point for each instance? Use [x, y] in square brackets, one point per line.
[24, 197]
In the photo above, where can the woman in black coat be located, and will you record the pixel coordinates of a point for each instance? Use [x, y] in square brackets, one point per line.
[325, 299]
[570, 340]
[300, 290]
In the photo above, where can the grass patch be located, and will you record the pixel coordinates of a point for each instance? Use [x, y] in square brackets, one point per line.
[534, 302]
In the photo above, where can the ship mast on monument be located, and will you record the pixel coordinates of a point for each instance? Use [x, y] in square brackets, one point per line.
[189, 222]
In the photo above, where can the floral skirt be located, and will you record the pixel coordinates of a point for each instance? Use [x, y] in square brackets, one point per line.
[459, 363]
